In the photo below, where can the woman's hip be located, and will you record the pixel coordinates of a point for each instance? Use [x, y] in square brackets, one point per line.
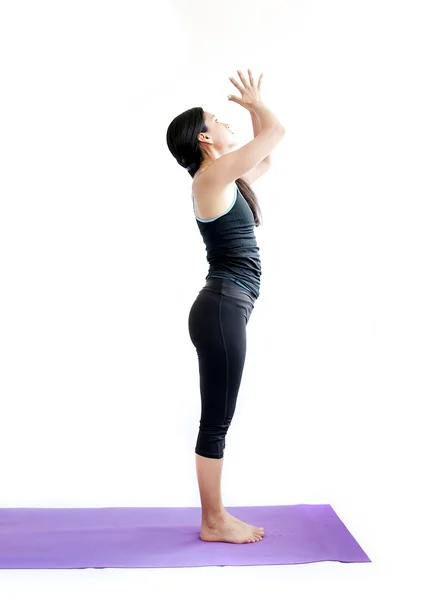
[215, 314]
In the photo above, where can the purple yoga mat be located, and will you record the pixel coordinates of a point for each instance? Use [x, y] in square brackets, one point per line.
[79, 538]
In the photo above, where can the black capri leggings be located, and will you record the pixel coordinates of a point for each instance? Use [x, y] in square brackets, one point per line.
[217, 327]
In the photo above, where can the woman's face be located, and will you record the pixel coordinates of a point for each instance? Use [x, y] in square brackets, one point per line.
[221, 134]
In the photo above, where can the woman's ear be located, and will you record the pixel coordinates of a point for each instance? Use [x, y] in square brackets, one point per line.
[204, 137]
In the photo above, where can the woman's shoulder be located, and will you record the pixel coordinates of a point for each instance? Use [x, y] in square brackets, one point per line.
[210, 201]
[204, 181]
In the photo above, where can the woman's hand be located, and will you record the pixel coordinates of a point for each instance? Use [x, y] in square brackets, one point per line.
[250, 91]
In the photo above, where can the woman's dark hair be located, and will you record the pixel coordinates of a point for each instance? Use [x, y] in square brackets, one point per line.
[182, 141]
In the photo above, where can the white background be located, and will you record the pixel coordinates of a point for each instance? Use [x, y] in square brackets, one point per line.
[101, 259]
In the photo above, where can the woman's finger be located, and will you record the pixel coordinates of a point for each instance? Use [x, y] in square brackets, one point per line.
[251, 78]
[260, 80]
[237, 85]
[243, 79]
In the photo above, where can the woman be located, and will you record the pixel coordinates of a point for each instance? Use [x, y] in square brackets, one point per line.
[226, 211]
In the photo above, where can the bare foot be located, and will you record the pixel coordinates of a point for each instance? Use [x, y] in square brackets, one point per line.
[230, 529]
[258, 530]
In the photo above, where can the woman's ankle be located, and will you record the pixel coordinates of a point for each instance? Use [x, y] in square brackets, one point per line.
[210, 517]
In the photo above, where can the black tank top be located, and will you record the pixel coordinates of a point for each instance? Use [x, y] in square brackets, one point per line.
[231, 245]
